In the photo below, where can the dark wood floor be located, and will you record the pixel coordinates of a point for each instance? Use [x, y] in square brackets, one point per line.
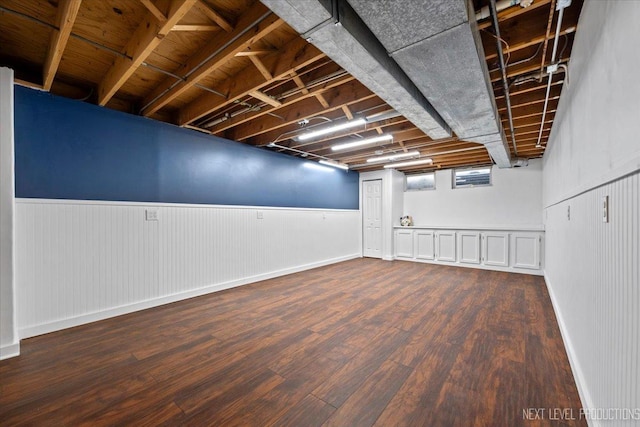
[360, 343]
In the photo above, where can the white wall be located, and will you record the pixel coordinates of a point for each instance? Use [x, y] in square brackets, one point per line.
[9, 344]
[80, 261]
[514, 199]
[592, 267]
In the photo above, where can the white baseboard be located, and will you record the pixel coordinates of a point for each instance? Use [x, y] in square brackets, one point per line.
[11, 350]
[578, 375]
[48, 327]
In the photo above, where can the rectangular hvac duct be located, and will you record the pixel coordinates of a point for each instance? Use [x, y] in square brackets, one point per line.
[336, 30]
[437, 45]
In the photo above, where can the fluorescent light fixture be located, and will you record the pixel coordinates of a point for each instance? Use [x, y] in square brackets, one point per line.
[361, 142]
[335, 164]
[331, 129]
[393, 157]
[407, 164]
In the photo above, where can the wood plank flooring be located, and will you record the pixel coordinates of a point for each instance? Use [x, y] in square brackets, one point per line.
[359, 343]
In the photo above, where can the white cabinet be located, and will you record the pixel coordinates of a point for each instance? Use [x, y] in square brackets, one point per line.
[404, 243]
[526, 250]
[496, 248]
[424, 244]
[446, 246]
[493, 249]
[469, 247]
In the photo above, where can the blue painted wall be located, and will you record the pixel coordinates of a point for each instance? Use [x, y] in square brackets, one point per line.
[68, 149]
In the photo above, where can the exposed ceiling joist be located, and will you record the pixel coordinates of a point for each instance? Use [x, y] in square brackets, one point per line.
[253, 115]
[253, 25]
[275, 130]
[151, 7]
[147, 37]
[67, 13]
[265, 98]
[348, 93]
[512, 12]
[214, 16]
[293, 56]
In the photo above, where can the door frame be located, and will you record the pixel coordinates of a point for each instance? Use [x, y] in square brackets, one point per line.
[362, 217]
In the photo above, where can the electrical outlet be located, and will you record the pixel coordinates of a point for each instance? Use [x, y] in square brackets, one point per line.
[260, 215]
[605, 208]
[569, 212]
[151, 214]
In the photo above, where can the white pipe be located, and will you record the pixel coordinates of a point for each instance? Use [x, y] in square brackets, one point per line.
[553, 60]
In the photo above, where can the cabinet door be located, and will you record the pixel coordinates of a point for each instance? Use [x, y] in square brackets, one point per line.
[496, 249]
[404, 243]
[424, 244]
[469, 246]
[526, 250]
[446, 246]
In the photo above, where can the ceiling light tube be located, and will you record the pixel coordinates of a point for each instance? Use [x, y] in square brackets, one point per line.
[393, 157]
[361, 142]
[407, 164]
[335, 164]
[331, 129]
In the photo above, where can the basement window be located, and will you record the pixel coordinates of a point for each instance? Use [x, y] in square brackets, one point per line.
[474, 177]
[423, 181]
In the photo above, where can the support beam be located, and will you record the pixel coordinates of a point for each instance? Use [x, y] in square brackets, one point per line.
[347, 112]
[265, 98]
[195, 27]
[512, 12]
[214, 16]
[253, 115]
[514, 47]
[293, 56]
[261, 67]
[146, 38]
[269, 128]
[252, 26]
[67, 13]
[322, 101]
[151, 7]
[351, 92]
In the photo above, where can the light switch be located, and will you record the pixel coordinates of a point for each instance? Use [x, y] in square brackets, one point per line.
[260, 215]
[605, 208]
[151, 214]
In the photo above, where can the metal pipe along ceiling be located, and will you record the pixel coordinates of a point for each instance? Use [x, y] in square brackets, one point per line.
[551, 68]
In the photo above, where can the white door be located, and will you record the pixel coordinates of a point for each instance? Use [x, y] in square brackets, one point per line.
[372, 218]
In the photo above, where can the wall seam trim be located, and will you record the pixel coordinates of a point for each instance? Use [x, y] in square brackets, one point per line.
[29, 200]
[595, 187]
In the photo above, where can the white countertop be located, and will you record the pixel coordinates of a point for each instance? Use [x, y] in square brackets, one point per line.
[491, 227]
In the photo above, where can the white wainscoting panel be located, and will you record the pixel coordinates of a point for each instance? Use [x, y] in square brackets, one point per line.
[469, 246]
[80, 261]
[404, 243]
[424, 244]
[593, 275]
[446, 241]
[496, 248]
[526, 250]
